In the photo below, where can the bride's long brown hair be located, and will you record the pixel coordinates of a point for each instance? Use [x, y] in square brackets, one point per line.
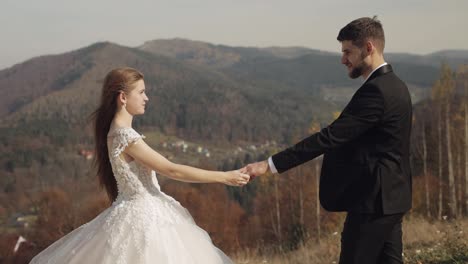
[116, 81]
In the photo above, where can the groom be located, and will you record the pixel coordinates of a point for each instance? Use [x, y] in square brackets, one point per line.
[365, 170]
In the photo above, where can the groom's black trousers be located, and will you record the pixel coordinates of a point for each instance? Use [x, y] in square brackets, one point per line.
[371, 239]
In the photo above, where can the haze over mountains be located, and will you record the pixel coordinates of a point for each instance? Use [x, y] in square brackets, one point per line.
[203, 91]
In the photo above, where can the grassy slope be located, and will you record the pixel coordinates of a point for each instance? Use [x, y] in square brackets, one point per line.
[424, 242]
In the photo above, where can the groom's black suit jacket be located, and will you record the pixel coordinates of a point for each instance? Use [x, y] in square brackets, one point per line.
[366, 165]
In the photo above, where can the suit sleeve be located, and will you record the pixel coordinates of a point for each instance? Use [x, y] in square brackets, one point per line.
[363, 112]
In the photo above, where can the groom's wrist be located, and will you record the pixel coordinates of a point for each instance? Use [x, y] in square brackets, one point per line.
[271, 165]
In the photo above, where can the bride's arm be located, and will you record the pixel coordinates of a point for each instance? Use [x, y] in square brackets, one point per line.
[144, 154]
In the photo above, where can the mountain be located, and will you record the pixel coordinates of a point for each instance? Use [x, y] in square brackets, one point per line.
[198, 90]
[454, 58]
[219, 56]
[25, 82]
[302, 69]
[190, 101]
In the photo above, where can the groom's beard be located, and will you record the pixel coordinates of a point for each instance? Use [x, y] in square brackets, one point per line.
[359, 69]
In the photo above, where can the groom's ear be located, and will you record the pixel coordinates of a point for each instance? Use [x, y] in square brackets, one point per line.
[370, 47]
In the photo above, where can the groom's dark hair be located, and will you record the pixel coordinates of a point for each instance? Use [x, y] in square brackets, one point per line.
[363, 29]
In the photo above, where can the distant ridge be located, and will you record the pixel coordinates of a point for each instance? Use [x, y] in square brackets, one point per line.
[197, 87]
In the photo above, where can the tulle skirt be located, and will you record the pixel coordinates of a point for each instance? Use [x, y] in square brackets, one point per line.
[147, 229]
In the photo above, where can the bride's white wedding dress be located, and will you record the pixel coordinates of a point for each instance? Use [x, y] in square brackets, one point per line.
[143, 225]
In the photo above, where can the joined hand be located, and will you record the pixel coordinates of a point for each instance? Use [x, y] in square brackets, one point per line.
[236, 178]
[255, 169]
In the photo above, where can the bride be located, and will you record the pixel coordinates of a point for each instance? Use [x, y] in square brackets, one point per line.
[143, 224]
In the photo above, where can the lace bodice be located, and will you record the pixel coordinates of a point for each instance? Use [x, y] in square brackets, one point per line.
[133, 179]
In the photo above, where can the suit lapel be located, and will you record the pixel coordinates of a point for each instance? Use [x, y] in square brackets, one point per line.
[380, 71]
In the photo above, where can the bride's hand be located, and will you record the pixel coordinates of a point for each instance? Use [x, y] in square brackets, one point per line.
[236, 178]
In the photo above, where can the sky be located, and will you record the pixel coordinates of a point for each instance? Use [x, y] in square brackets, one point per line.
[33, 28]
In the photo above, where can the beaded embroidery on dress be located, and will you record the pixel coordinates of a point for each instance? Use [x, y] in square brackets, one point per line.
[143, 225]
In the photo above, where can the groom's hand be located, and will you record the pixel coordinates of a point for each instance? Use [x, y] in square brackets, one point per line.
[256, 169]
